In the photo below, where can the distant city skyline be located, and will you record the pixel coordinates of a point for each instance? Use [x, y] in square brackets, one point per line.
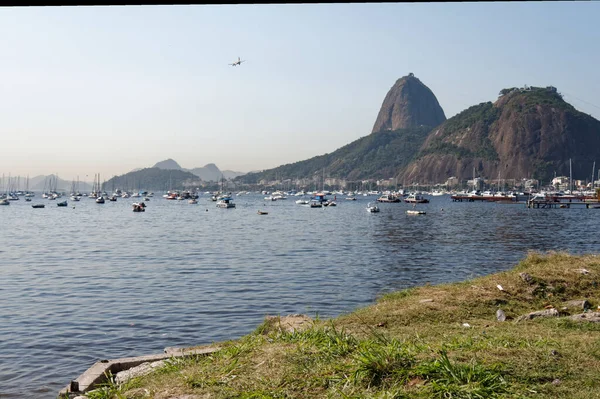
[107, 90]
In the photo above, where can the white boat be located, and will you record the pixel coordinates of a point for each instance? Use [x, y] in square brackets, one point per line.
[372, 208]
[416, 199]
[4, 201]
[302, 202]
[100, 200]
[192, 201]
[411, 212]
[225, 202]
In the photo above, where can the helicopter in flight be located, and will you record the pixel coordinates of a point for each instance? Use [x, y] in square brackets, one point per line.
[238, 62]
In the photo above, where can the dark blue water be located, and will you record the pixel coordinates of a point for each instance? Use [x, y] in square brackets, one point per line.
[101, 282]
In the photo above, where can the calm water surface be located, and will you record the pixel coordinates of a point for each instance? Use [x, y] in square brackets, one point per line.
[101, 282]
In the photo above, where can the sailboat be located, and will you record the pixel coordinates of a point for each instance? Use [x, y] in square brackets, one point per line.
[28, 194]
[4, 201]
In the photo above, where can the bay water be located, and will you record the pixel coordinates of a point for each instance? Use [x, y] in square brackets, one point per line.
[97, 281]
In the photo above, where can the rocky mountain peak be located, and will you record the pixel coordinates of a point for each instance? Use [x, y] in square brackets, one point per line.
[408, 104]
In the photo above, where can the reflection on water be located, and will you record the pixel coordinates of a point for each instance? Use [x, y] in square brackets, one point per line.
[99, 281]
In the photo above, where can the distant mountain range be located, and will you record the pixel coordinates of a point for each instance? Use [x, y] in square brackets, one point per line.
[41, 182]
[153, 179]
[527, 132]
[209, 172]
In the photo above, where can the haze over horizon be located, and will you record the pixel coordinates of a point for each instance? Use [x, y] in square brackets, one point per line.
[109, 89]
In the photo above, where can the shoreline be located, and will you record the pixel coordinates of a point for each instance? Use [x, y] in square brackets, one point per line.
[553, 292]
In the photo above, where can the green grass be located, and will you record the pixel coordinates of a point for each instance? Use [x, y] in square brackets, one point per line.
[403, 347]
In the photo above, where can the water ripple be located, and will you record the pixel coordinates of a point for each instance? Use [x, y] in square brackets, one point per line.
[100, 282]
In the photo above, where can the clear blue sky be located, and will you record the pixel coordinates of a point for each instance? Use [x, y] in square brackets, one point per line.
[87, 90]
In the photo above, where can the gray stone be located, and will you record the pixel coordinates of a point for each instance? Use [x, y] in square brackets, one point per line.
[425, 300]
[592, 317]
[578, 304]
[542, 313]
[500, 315]
[137, 371]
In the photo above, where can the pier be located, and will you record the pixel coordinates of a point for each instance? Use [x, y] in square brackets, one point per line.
[558, 204]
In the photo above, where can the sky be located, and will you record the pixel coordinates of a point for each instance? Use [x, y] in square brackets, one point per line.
[107, 89]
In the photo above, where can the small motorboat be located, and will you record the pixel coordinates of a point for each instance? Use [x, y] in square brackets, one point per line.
[38, 206]
[100, 200]
[302, 202]
[411, 212]
[141, 207]
[27, 199]
[192, 201]
[351, 199]
[262, 212]
[225, 202]
[316, 204]
[372, 208]
[416, 199]
[63, 203]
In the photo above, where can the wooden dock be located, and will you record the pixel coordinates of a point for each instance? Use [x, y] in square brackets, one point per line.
[557, 204]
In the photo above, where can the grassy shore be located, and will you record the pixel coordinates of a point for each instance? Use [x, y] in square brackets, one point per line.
[428, 342]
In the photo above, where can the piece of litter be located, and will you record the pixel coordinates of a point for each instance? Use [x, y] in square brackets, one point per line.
[583, 271]
[466, 325]
[500, 287]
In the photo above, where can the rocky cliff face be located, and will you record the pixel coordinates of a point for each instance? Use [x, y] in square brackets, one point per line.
[529, 133]
[408, 104]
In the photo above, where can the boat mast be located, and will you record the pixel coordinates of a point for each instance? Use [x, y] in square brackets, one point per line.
[570, 178]
[593, 170]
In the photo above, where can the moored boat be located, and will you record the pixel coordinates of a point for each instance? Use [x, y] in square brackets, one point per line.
[411, 212]
[372, 208]
[388, 198]
[416, 199]
[225, 202]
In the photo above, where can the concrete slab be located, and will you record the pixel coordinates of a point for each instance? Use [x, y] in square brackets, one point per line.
[96, 374]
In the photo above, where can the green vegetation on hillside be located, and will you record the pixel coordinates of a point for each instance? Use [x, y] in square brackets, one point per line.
[528, 100]
[378, 155]
[152, 179]
[427, 342]
[478, 118]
